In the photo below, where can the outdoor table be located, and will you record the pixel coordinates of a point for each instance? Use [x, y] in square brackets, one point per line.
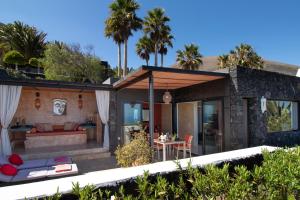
[170, 142]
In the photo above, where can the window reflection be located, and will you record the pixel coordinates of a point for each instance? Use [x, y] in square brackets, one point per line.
[282, 116]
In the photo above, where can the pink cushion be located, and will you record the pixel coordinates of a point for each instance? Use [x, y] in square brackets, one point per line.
[63, 168]
[15, 159]
[9, 170]
[76, 127]
[68, 126]
[61, 159]
[39, 127]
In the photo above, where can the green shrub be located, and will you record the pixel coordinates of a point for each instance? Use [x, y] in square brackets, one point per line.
[136, 152]
[14, 57]
[34, 62]
[277, 178]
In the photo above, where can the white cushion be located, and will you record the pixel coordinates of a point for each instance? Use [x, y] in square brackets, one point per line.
[53, 173]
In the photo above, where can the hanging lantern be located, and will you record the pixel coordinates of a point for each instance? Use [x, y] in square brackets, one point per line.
[167, 98]
[80, 102]
[37, 101]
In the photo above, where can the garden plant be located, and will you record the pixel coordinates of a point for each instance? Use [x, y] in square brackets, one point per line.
[277, 177]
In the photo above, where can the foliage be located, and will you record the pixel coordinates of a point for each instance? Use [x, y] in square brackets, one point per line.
[113, 30]
[70, 63]
[166, 41]
[144, 47]
[115, 70]
[189, 58]
[243, 55]
[157, 28]
[277, 178]
[34, 62]
[121, 23]
[14, 57]
[3, 49]
[136, 152]
[23, 38]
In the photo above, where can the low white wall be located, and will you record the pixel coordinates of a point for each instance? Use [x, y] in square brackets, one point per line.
[110, 177]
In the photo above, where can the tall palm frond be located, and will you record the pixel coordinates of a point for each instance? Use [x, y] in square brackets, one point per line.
[155, 25]
[23, 38]
[243, 55]
[166, 41]
[189, 58]
[124, 21]
[144, 48]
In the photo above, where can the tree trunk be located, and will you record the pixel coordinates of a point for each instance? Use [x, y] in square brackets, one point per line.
[147, 62]
[119, 60]
[16, 67]
[155, 56]
[162, 60]
[125, 58]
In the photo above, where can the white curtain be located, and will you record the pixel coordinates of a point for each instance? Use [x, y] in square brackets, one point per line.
[9, 100]
[102, 98]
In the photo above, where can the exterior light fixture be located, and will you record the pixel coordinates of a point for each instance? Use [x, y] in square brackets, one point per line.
[80, 101]
[37, 101]
[263, 104]
[167, 97]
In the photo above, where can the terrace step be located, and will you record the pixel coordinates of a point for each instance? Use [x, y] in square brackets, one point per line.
[75, 154]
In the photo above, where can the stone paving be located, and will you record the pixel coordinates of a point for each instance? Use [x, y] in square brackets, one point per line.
[86, 166]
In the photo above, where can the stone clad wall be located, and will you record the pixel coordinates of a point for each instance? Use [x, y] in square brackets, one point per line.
[113, 137]
[252, 85]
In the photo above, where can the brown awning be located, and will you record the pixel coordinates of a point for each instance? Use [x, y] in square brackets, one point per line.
[166, 78]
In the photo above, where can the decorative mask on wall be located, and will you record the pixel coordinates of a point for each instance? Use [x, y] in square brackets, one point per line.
[80, 101]
[37, 101]
[59, 107]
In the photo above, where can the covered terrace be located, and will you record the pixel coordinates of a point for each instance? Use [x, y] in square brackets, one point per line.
[156, 80]
[53, 118]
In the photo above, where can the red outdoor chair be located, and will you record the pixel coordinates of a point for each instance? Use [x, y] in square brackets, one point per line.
[188, 138]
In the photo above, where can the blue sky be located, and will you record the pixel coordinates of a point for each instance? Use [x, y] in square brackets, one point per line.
[272, 27]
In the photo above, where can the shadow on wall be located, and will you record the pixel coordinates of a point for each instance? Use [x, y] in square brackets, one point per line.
[283, 139]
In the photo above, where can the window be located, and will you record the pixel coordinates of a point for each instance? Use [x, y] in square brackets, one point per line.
[282, 116]
[132, 113]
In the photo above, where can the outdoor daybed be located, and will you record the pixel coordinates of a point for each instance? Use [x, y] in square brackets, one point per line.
[56, 135]
[42, 168]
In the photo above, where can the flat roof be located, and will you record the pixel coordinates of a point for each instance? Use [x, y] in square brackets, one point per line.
[166, 78]
[7, 80]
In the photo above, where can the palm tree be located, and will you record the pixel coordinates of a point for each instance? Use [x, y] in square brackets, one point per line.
[125, 12]
[189, 58]
[112, 30]
[23, 38]
[155, 25]
[223, 60]
[144, 48]
[163, 46]
[243, 55]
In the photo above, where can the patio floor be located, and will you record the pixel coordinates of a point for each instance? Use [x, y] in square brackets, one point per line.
[85, 166]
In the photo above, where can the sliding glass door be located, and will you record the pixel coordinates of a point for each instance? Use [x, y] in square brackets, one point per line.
[212, 119]
[132, 119]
